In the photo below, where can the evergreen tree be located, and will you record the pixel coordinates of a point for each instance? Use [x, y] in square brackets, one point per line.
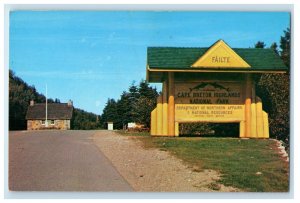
[133, 96]
[260, 44]
[274, 46]
[274, 89]
[285, 46]
[143, 109]
[146, 103]
[133, 106]
[20, 95]
[146, 91]
[124, 109]
[110, 113]
[82, 120]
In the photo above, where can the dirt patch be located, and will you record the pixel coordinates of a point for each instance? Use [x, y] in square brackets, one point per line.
[153, 170]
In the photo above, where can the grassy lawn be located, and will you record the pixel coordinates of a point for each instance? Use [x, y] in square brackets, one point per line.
[122, 132]
[249, 164]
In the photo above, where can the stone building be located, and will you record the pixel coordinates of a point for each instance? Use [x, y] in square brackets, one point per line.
[59, 116]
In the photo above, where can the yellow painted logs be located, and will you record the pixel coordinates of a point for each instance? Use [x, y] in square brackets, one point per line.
[171, 105]
[266, 125]
[153, 122]
[176, 129]
[259, 118]
[165, 109]
[253, 114]
[159, 116]
[248, 106]
[163, 122]
[242, 129]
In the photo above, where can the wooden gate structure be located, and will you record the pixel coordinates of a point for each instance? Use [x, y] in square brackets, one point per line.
[214, 85]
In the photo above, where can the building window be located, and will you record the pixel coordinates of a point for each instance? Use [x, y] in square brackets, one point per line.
[52, 122]
[43, 122]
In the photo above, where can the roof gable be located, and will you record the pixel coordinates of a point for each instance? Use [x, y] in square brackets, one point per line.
[220, 55]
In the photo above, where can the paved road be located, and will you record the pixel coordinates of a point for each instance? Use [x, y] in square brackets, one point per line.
[60, 161]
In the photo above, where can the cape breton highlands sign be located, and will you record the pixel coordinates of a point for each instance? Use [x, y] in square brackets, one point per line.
[212, 84]
[208, 101]
[208, 93]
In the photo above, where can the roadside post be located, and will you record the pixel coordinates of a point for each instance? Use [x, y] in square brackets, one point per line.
[110, 125]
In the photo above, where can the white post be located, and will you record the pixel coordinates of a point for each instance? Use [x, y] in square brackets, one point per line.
[46, 122]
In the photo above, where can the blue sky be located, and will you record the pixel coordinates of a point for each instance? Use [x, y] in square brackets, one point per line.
[92, 56]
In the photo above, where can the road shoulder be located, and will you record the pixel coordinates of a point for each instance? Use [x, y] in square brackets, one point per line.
[153, 170]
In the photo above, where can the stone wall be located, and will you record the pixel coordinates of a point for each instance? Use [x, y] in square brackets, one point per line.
[58, 124]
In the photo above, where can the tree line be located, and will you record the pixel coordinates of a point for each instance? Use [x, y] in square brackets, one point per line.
[274, 90]
[134, 105]
[20, 95]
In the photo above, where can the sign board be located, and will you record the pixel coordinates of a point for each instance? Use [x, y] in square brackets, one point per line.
[110, 126]
[208, 92]
[209, 101]
[131, 125]
[214, 84]
[222, 56]
[208, 113]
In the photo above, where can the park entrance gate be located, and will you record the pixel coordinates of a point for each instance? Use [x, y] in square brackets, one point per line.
[214, 84]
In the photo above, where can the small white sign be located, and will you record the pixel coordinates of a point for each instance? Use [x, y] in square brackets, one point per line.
[131, 125]
[110, 126]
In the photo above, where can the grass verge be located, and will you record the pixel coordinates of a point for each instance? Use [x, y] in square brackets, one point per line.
[249, 164]
[126, 133]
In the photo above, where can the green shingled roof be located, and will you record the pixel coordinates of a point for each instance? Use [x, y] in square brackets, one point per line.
[169, 58]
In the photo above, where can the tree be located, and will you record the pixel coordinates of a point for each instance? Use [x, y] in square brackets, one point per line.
[274, 90]
[110, 113]
[146, 103]
[133, 96]
[260, 44]
[124, 109]
[274, 46]
[146, 91]
[82, 120]
[285, 46]
[20, 94]
[143, 109]
[134, 105]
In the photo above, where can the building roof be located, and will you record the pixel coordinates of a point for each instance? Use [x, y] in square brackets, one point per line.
[56, 111]
[181, 59]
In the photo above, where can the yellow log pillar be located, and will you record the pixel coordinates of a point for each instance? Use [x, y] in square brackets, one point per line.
[253, 113]
[266, 125]
[165, 108]
[171, 105]
[176, 129]
[248, 105]
[153, 122]
[159, 115]
[259, 118]
[242, 129]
